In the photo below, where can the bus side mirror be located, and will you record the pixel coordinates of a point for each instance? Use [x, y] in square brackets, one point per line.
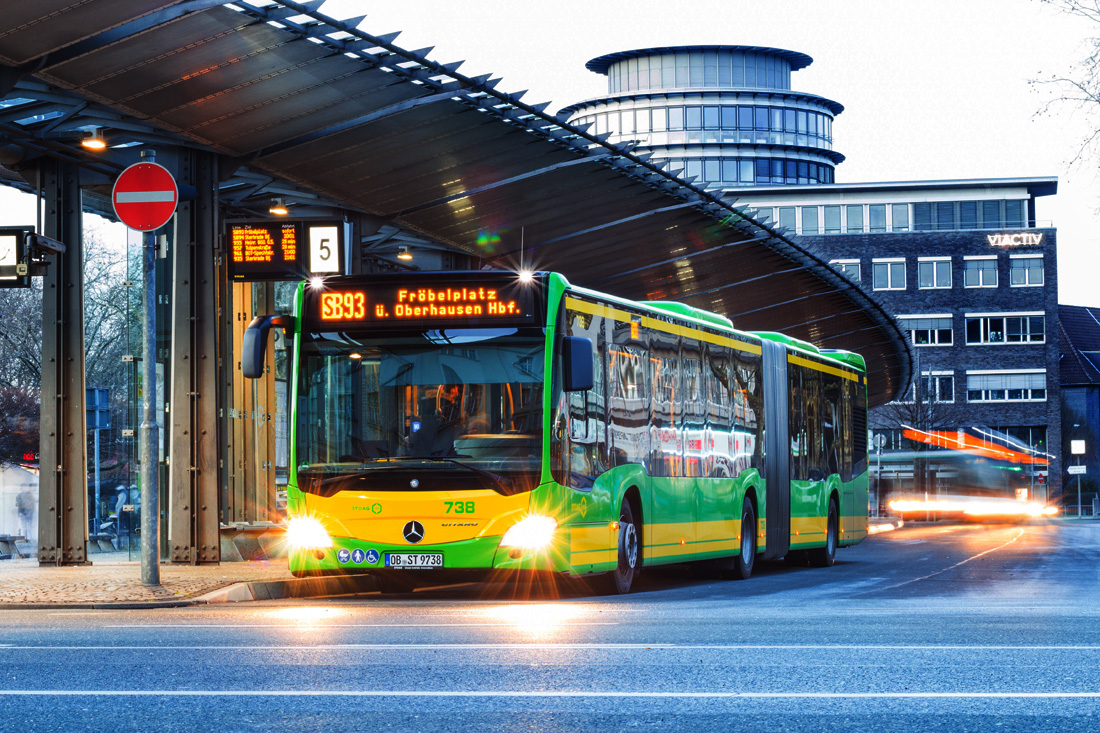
[576, 363]
[254, 344]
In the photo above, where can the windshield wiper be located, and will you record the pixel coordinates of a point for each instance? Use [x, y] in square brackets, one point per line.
[501, 484]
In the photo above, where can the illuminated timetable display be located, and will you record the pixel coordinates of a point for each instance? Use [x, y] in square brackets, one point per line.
[284, 250]
[423, 301]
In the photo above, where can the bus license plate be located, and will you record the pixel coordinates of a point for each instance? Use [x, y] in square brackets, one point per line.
[415, 560]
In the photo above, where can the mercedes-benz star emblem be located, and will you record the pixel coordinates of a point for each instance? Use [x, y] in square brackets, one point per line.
[413, 532]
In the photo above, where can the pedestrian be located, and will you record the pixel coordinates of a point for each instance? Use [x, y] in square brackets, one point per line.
[25, 506]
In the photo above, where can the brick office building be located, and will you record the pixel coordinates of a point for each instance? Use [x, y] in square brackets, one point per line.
[972, 278]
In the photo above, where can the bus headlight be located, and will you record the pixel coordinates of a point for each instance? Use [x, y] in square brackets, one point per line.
[531, 533]
[307, 533]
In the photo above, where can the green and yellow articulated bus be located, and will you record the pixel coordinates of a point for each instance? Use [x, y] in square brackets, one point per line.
[503, 421]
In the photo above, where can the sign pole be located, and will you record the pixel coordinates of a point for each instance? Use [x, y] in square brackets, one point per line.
[150, 437]
[144, 198]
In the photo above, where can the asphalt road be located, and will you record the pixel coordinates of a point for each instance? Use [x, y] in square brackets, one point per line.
[929, 628]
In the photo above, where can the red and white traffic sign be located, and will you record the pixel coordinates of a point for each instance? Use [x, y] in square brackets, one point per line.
[145, 196]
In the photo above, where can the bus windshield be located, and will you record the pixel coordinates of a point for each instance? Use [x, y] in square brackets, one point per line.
[456, 400]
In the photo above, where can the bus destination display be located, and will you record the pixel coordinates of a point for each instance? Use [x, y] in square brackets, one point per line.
[395, 306]
[284, 250]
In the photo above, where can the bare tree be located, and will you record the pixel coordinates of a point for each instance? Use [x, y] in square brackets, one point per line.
[1080, 85]
[105, 331]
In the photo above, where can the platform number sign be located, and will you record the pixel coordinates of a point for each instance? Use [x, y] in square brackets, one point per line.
[284, 249]
[324, 255]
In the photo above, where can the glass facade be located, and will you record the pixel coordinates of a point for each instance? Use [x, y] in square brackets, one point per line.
[702, 67]
[652, 122]
[708, 112]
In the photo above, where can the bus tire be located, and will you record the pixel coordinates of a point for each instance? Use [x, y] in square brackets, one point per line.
[825, 557]
[741, 565]
[619, 580]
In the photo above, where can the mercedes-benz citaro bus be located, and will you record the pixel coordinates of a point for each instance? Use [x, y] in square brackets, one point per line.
[503, 421]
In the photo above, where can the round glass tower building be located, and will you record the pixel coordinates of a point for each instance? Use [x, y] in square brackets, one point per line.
[725, 115]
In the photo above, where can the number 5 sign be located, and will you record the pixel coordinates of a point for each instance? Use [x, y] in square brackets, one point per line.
[324, 254]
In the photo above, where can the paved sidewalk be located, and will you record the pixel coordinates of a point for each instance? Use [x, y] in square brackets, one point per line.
[114, 579]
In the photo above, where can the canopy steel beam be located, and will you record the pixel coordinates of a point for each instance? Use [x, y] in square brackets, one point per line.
[63, 489]
[194, 481]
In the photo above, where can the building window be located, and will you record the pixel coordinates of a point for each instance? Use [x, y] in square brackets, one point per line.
[877, 216]
[934, 274]
[888, 274]
[900, 217]
[1006, 386]
[850, 268]
[991, 215]
[1025, 270]
[922, 217]
[968, 215]
[787, 218]
[1027, 328]
[832, 220]
[980, 272]
[927, 330]
[1014, 214]
[855, 218]
[809, 220]
[945, 215]
[937, 387]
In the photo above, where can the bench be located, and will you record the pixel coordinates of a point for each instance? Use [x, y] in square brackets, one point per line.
[8, 548]
[105, 542]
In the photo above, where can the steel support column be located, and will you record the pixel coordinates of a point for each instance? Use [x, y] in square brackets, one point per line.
[63, 483]
[194, 467]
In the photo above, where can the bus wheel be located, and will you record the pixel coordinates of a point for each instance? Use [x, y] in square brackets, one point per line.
[824, 557]
[621, 578]
[741, 566]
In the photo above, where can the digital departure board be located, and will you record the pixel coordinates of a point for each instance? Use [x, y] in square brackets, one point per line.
[285, 250]
[424, 301]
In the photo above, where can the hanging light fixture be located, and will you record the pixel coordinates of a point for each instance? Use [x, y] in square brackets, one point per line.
[278, 207]
[93, 140]
[403, 253]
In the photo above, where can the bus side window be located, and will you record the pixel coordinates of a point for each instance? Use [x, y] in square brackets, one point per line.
[693, 412]
[627, 358]
[664, 429]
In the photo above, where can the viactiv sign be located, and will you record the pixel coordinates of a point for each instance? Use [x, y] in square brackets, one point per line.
[1018, 239]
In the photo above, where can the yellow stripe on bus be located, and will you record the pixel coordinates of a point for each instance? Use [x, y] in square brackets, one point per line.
[821, 367]
[596, 309]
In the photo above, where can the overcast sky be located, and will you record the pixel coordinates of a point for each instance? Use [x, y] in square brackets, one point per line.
[935, 89]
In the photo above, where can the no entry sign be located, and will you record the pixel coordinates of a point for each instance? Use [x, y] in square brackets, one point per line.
[145, 196]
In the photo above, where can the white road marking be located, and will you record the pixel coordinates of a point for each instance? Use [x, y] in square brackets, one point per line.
[306, 624]
[574, 647]
[550, 694]
[952, 567]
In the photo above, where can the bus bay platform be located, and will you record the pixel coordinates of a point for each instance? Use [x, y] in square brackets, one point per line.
[113, 581]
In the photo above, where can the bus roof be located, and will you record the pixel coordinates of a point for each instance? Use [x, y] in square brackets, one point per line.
[700, 317]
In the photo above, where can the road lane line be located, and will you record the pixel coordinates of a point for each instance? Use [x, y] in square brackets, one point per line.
[306, 624]
[961, 562]
[551, 694]
[569, 646]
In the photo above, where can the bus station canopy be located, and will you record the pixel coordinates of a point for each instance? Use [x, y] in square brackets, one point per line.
[312, 109]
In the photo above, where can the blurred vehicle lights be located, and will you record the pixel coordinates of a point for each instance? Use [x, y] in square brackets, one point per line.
[973, 507]
[531, 533]
[306, 533]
